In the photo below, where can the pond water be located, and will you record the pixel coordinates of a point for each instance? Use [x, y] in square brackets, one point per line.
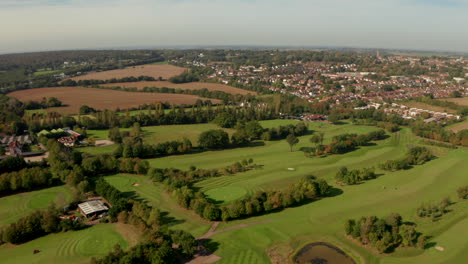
[322, 253]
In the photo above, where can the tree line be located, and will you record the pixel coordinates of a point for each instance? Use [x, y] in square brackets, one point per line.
[44, 103]
[180, 184]
[414, 156]
[26, 180]
[37, 224]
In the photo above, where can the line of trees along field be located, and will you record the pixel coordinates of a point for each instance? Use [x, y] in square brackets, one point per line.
[180, 184]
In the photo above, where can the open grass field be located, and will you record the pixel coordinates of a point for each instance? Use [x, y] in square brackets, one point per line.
[75, 97]
[154, 195]
[459, 101]
[183, 86]
[69, 247]
[156, 134]
[430, 107]
[15, 206]
[153, 70]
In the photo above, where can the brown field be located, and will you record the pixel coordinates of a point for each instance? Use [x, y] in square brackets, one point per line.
[153, 70]
[459, 101]
[430, 107]
[75, 97]
[183, 86]
[459, 126]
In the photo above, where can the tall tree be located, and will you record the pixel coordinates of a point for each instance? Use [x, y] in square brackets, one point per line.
[292, 140]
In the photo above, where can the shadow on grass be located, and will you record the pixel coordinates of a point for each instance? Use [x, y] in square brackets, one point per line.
[168, 220]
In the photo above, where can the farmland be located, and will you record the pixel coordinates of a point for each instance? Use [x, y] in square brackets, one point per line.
[183, 86]
[458, 126]
[153, 70]
[460, 101]
[74, 97]
[430, 107]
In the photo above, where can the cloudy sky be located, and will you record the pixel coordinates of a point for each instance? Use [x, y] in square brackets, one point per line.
[31, 25]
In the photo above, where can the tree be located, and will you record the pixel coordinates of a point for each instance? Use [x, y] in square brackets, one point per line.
[115, 135]
[292, 140]
[253, 129]
[214, 139]
[240, 138]
[334, 118]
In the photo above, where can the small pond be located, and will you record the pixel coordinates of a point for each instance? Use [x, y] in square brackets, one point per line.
[322, 253]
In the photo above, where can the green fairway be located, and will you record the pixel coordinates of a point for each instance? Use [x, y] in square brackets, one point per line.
[68, 247]
[15, 206]
[176, 216]
[281, 167]
[323, 220]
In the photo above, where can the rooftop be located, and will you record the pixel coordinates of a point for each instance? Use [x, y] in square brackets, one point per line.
[94, 206]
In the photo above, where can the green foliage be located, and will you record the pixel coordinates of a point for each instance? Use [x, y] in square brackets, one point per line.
[292, 141]
[384, 235]
[350, 177]
[37, 224]
[463, 192]
[213, 139]
[225, 120]
[414, 156]
[25, 180]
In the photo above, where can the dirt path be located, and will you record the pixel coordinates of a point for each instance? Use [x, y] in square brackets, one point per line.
[205, 257]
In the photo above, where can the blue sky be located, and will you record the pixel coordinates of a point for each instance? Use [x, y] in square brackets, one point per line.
[30, 25]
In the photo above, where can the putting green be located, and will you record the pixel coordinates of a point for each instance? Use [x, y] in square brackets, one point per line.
[226, 194]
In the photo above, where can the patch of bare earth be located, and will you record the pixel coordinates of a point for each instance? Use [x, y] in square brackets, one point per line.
[74, 97]
[182, 86]
[37, 158]
[279, 254]
[129, 232]
[103, 143]
[153, 70]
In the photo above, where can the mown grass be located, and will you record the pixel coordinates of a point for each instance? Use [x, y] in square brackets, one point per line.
[15, 206]
[155, 135]
[322, 220]
[68, 247]
[155, 195]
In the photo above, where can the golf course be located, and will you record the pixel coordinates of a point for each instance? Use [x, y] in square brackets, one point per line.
[278, 235]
